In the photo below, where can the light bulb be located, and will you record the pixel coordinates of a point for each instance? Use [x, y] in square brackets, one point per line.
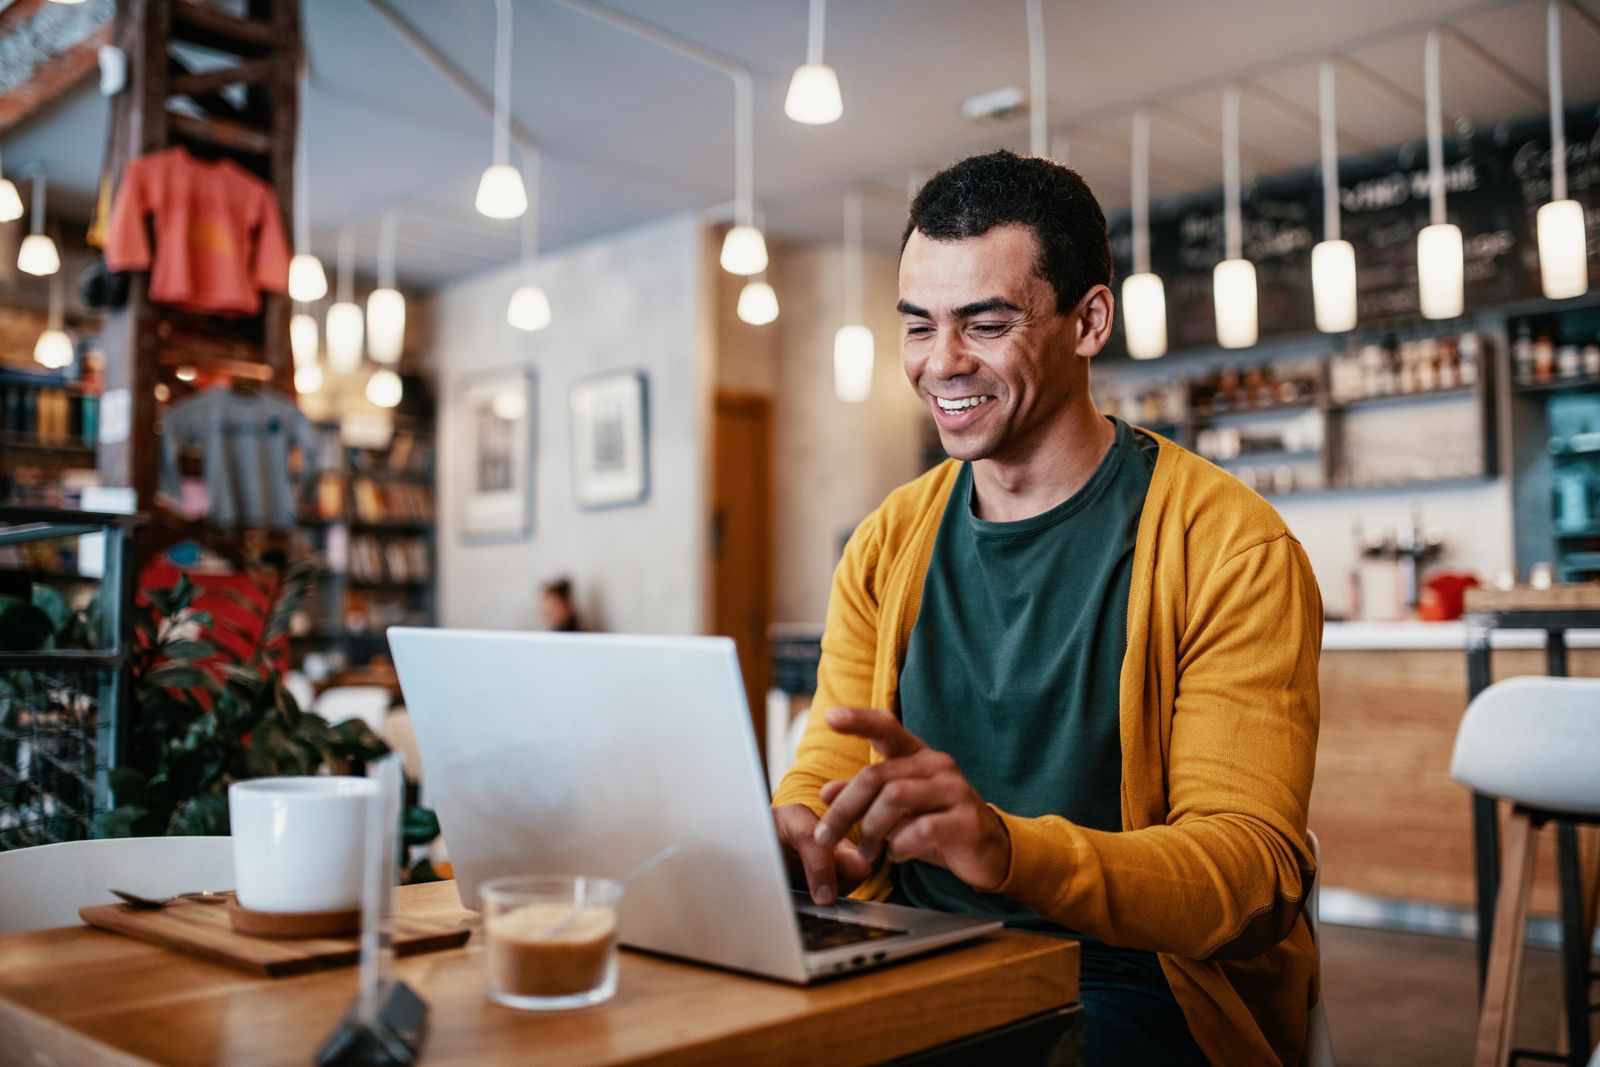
[303, 339]
[509, 404]
[307, 280]
[386, 325]
[1233, 291]
[53, 350]
[10, 202]
[384, 388]
[1563, 250]
[500, 193]
[529, 308]
[814, 95]
[344, 337]
[1144, 315]
[744, 251]
[758, 304]
[1439, 270]
[308, 378]
[852, 364]
[1333, 286]
[38, 255]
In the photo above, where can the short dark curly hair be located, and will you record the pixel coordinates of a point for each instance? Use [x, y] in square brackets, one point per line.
[972, 197]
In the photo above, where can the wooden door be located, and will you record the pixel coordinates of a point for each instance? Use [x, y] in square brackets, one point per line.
[741, 539]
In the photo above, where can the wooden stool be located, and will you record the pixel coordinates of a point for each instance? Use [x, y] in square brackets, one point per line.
[1536, 743]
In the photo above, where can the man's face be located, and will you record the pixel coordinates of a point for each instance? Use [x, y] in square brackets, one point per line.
[983, 343]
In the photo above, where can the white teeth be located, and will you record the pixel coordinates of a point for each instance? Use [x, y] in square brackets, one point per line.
[960, 405]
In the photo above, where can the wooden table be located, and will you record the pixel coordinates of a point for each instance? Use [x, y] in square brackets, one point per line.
[83, 996]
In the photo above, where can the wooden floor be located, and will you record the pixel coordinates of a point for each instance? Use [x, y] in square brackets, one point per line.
[1409, 1000]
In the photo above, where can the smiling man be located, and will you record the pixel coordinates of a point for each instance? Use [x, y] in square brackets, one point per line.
[1069, 676]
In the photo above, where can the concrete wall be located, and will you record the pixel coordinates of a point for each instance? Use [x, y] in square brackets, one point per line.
[835, 461]
[632, 301]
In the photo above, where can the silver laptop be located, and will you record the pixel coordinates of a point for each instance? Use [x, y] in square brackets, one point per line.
[587, 753]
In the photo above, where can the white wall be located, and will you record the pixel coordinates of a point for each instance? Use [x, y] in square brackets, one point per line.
[631, 301]
[834, 462]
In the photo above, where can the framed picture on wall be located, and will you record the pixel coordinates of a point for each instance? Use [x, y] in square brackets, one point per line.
[497, 412]
[610, 446]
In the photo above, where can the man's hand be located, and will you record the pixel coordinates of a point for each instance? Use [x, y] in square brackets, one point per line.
[916, 802]
[829, 869]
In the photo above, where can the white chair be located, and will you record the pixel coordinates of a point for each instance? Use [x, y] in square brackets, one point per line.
[45, 885]
[1319, 1039]
[369, 703]
[1536, 743]
[300, 688]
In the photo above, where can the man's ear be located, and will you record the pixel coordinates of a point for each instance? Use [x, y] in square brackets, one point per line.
[1095, 313]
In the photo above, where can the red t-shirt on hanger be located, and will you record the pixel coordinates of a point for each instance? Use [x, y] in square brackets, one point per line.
[218, 233]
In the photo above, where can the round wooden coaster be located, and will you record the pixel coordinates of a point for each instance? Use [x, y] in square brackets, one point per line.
[294, 924]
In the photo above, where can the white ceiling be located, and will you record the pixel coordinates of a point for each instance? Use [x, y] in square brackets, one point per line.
[630, 131]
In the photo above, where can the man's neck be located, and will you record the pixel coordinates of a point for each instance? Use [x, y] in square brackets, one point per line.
[1010, 489]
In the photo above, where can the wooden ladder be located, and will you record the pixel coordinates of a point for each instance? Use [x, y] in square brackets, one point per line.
[166, 102]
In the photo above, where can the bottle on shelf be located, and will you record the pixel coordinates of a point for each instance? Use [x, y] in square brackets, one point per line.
[1522, 353]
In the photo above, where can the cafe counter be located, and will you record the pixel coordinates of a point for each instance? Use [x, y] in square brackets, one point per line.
[1391, 821]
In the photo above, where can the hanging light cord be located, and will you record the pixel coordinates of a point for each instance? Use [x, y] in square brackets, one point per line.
[743, 93]
[853, 272]
[347, 264]
[1430, 64]
[1558, 118]
[1038, 127]
[387, 230]
[530, 217]
[1232, 223]
[302, 176]
[502, 80]
[1141, 192]
[814, 32]
[39, 182]
[1326, 103]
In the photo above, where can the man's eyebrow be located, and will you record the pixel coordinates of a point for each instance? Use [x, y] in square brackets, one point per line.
[907, 308]
[994, 303]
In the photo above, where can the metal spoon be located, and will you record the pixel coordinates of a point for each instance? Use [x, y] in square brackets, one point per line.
[204, 896]
[572, 916]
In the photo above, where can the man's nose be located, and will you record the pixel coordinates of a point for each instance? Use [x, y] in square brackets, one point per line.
[950, 357]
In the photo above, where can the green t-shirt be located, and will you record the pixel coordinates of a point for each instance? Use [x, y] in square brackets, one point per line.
[1014, 668]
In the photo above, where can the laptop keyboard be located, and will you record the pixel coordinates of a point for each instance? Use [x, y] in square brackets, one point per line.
[819, 932]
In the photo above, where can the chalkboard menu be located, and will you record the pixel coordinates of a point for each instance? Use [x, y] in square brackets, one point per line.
[1496, 180]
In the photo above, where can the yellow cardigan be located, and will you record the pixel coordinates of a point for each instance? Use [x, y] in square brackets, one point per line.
[1219, 716]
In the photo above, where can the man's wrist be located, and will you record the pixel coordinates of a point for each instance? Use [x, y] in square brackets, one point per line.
[998, 865]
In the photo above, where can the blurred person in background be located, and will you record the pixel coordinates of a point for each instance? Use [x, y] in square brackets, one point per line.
[556, 607]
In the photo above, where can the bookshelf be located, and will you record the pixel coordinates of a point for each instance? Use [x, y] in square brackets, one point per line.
[48, 428]
[368, 519]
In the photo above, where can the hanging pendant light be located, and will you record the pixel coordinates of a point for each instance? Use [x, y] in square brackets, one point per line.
[303, 338]
[1440, 260]
[386, 308]
[1563, 240]
[10, 202]
[1233, 282]
[308, 378]
[345, 326]
[744, 250]
[853, 343]
[1333, 260]
[814, 90]
[500, 191]
[758, 303]
[53, 350]
[38, 255]
[307, 280]
[1144, 298]
[384, 388]
[529, 308]
[1038, 126]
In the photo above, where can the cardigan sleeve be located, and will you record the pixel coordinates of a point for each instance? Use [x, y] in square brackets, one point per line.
[844, 675]
[1225, 876]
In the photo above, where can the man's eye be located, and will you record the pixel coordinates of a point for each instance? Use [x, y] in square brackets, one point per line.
[989, 329]
[918, 331]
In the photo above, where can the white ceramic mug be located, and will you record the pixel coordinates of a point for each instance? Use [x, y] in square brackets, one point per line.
[299, 842]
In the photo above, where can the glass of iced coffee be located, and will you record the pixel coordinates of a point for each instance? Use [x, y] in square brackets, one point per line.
[551, 940]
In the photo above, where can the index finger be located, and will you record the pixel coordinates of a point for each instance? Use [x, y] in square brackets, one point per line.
[881, 729]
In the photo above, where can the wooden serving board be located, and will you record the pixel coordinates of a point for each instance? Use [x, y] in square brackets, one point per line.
[204, 931]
